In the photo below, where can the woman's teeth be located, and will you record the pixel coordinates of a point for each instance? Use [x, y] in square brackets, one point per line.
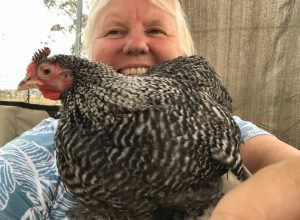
[134, 71]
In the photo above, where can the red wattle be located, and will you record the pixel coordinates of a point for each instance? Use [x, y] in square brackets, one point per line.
[50, 94]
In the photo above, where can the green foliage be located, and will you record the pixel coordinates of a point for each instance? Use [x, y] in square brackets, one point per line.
[57, 27]
[68, 7]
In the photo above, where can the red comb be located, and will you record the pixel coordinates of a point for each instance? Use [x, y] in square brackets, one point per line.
[41, 54]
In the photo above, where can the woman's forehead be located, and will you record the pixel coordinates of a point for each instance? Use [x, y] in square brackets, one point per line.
[116, 19]
[114, 7]
[120, 11]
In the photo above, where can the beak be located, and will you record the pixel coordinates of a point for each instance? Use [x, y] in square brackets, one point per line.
[28, 83]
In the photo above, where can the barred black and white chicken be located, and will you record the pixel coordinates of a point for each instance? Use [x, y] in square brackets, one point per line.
[127, 146]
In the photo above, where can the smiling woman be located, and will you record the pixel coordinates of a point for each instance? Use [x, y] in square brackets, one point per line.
[142, 32]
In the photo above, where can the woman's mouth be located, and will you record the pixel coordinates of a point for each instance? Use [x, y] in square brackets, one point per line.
[134, 70]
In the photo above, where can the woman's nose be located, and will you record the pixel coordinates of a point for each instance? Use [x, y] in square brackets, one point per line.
[136, 44]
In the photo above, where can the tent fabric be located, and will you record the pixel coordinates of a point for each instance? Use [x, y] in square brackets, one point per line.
[18, 117]
[255, 48]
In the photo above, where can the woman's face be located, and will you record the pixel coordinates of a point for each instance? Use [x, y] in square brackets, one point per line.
[132, 35]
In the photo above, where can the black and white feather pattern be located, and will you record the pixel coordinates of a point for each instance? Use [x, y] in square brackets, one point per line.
[128, 145]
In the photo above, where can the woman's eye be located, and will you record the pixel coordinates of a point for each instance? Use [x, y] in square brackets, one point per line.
[114, 33]
[155, 31]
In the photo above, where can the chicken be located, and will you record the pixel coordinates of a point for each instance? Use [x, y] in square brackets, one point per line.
[129, 145]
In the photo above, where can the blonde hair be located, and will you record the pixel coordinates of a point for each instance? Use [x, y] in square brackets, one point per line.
[184, 35]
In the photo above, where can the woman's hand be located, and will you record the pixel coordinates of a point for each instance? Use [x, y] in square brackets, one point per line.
[273, 193]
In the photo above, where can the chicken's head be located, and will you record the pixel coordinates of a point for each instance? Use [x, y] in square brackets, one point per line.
[49, 77]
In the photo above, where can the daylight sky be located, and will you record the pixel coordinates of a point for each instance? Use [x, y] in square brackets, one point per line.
[24, 25]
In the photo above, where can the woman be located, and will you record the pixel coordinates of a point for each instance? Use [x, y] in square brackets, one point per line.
[130, 36]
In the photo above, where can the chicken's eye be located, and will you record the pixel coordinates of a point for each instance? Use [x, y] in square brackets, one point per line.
[47, 71]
